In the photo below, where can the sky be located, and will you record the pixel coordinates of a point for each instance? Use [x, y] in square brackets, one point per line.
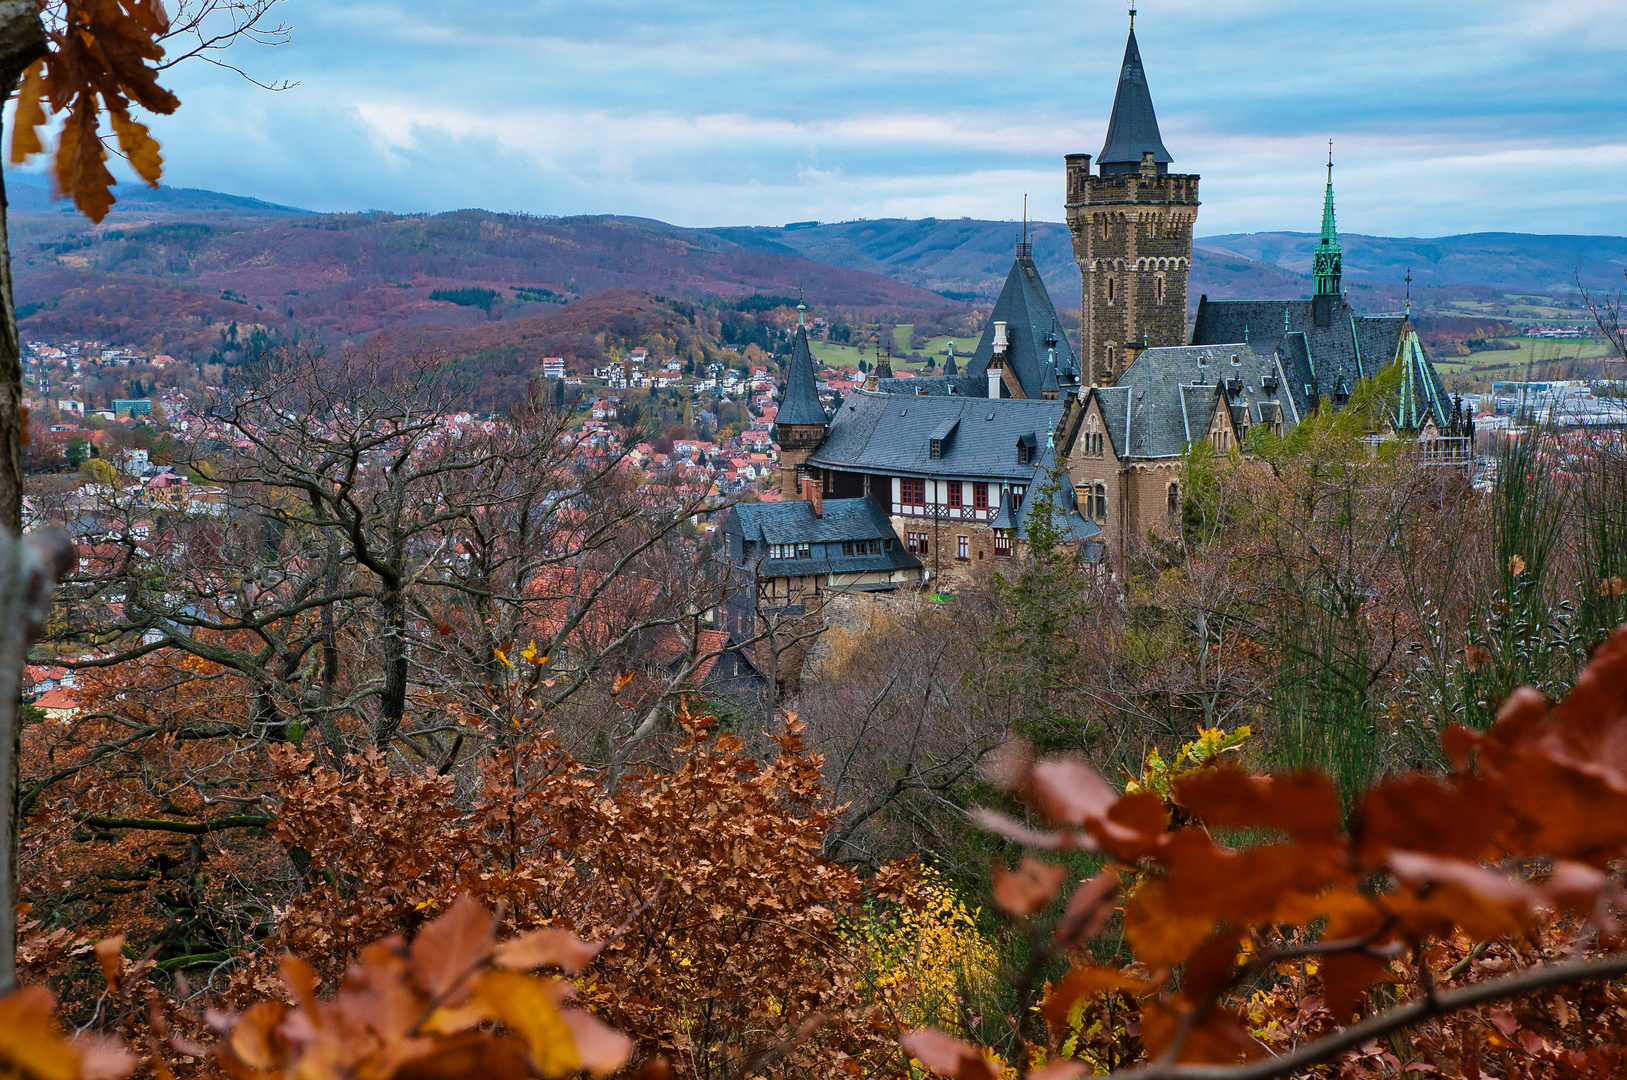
[1447, 116]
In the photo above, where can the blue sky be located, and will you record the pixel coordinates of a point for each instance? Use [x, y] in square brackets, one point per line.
[1448, 116]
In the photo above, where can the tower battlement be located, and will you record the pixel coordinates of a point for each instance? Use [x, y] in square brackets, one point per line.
[1132, 224]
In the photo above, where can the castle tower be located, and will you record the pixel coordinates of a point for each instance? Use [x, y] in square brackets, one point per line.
[801, 419]
[1132, 233]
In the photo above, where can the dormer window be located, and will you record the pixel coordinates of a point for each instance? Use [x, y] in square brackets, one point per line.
[1027, 450]
[935, 449]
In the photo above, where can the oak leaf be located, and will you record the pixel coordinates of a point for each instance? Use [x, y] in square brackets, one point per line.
[449, 949]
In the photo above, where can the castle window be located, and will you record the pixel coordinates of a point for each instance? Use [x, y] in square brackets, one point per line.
[956, 492]
[935, 448]
[963, 547]
[1158, 288]
[804, 551]
[1022, 453]
[1101, 502]
[1110, 284]
[1174, 499]
[1002, 545]
[912, 491]
[1110, 358]
[980, 496]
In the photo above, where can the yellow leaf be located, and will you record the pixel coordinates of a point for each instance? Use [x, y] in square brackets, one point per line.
[501, 655]
[621, 683]
[25, 136]
[139, 146]
[530, 651]
[530, 1008]
[29, 1040]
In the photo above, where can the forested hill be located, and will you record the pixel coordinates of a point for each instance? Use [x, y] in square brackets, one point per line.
[970, 258]
[170, 270]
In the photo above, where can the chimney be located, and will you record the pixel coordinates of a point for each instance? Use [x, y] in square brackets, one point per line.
[1000, 337]
[815, 492]
[994, 380]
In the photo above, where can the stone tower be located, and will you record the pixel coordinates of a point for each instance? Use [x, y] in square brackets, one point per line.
[1132, 233]
[801, 419]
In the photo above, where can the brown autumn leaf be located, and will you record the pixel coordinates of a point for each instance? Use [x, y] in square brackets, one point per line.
[32, 1046]
[548, 947]
[139, 146]
[1089, 909]
[1304, 805]
[470, 1054]
[948, 1056]
[1069, 792]
[25, 136]
[1211, 966]
[1345, 979]
[109, 954]
[1029, 889]
[621, 683]
[452, 947]
[1160, 935]
[601, 1048]
[1083, 983]
[1219, 1039]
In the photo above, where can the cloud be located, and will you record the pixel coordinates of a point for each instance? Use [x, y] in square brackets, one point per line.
[1501, 115]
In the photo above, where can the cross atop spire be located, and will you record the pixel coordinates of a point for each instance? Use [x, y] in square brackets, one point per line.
[1328, 262]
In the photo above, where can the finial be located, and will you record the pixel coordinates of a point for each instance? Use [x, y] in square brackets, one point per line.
[1409, 291]
[802, 305]
[1025, 219]
[1330, 155]
[1132, 19]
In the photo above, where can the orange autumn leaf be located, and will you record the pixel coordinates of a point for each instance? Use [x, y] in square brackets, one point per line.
[1029, 889]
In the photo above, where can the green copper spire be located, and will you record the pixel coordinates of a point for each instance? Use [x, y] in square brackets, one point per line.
[1328, 265]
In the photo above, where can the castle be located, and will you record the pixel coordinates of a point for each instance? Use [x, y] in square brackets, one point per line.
[953, 460]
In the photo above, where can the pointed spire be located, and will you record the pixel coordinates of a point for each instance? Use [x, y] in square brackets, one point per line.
[1328, 263]
[1133, 129]
[801, 404]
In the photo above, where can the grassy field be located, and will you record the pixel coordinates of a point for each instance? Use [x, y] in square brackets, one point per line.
[849, 356]
[1513, 365]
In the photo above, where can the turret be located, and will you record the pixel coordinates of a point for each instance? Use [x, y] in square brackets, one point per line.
[801, 420]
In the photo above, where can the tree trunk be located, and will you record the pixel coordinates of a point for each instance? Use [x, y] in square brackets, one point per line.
[22, 41]
[28, 571]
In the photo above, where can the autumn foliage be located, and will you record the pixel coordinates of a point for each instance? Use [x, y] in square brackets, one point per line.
[1236, 880]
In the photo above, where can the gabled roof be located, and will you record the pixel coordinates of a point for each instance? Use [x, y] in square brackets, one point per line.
[892, 433]
[1167, 398]
[842, 520]
[1031, 323]
[1331, 358]
[801, 405]
[1133, 129]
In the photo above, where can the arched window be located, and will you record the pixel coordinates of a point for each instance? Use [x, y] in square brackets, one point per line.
[1110, 358]
[1110, 290]
[1158, 288]
[1174, 499]
[1101, 502]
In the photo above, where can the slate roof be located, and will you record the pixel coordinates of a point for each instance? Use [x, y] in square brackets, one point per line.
[1030, 317]
[1166, 399]
[1331, 359]
[937, 386]
[801, 404]
[843, 520]
[1071, 526]
[1133, 129]
[891, 434]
